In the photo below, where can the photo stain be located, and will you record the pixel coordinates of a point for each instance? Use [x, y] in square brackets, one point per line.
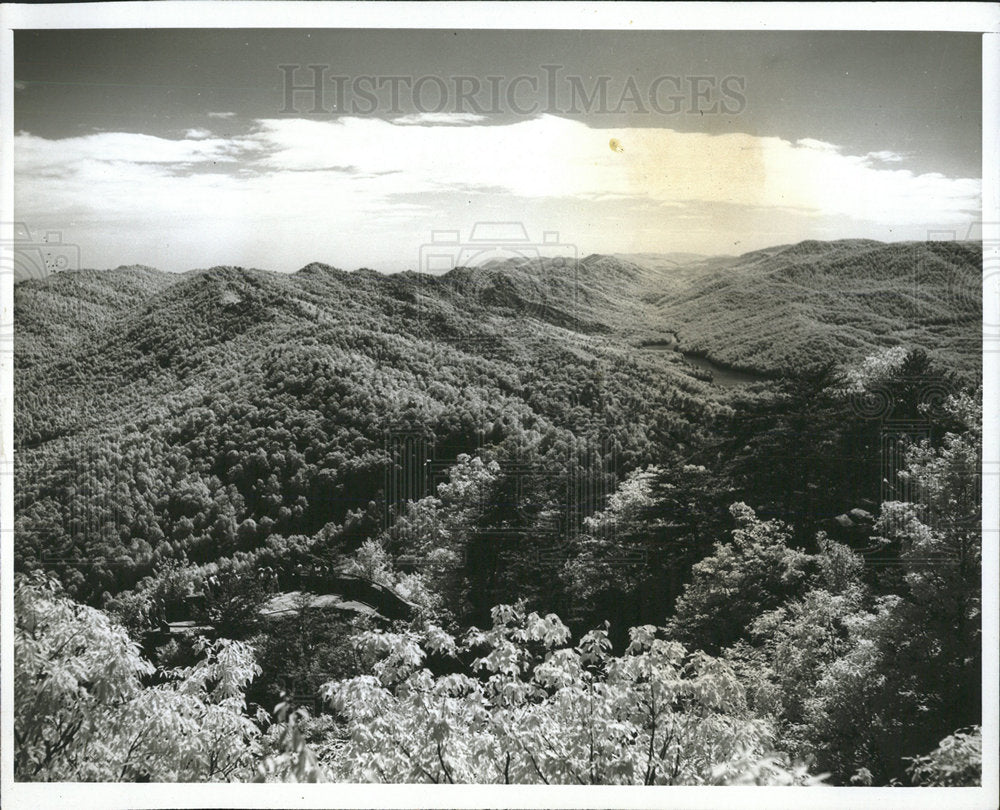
[616, 145]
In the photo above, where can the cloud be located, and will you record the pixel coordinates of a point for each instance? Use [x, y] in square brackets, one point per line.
[222, 115]
[293, 190]
[885, 156]
[819, 146]
[555, 157]
[438, 119]
[118, 152]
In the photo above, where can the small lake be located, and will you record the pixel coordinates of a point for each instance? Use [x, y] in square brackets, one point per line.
[722, 376]
[726, 377]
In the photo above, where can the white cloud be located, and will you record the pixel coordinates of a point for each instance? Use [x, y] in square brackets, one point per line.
[885, 156]
[294, 190]
[819, 146]
[438, 119]
[119, 149]
[555, 157]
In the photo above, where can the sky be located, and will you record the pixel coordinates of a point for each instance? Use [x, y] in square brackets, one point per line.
[183, 149]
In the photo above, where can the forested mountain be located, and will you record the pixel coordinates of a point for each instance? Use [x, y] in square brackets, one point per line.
[542, 434]
[229, 395]
[780, 308]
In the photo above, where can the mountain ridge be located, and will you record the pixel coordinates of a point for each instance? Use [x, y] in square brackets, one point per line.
[838, 298]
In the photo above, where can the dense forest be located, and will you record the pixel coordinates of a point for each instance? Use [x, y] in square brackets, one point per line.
[505, 524]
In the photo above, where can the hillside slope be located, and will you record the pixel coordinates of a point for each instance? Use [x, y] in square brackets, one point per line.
[197, 415]
[164, 416]
[783, 308]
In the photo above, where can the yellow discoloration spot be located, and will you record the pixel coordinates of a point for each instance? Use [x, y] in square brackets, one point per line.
[616, 145]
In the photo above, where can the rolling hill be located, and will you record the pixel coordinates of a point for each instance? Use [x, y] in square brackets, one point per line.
[157, 414]
[161, 415]
[783, 308]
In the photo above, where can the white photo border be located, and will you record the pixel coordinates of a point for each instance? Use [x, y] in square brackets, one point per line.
[878, 16]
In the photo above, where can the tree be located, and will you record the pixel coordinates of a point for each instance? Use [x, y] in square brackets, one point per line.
[956, 762]
[634, 556]
[611, 562]
[433, 535]
[234, 595]
[741, 579]
[785, 452]
[911, 670]
[534, 709]
[788, 649]
[88, 707]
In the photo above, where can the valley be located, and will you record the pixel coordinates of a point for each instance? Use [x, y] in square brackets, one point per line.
[294, 461]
